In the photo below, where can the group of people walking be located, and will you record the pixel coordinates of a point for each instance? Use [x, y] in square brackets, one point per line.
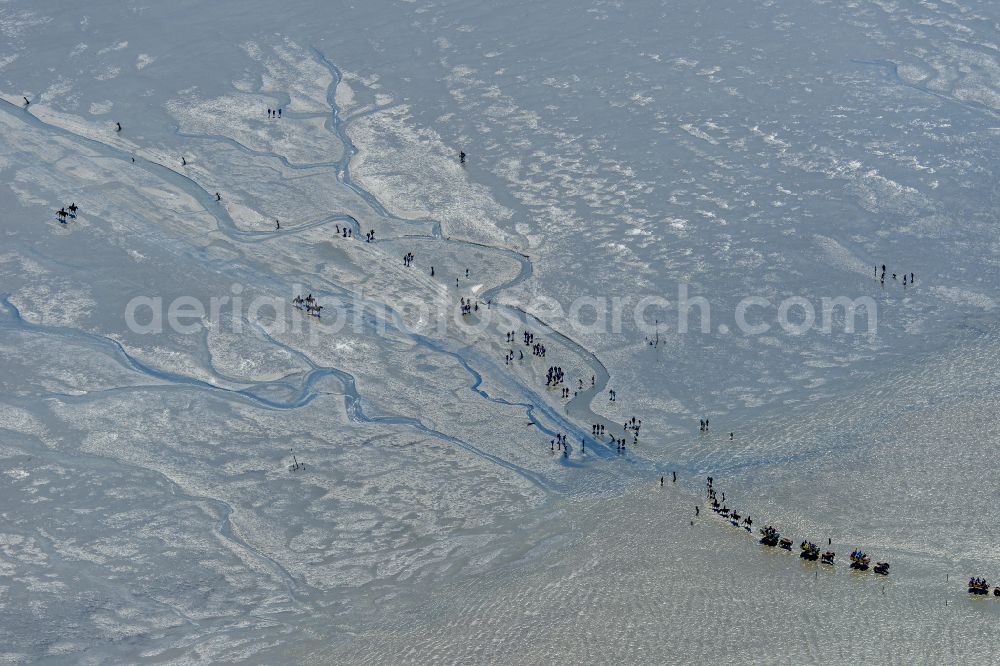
[509, 357]
[634, 425]
[559, 444]
[881, 277]
[468, 306]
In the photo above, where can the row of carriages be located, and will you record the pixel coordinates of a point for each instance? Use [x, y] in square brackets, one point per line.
[860, 561]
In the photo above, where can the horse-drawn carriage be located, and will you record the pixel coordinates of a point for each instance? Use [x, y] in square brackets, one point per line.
[769, 536]
[979, 586]
[810, 551]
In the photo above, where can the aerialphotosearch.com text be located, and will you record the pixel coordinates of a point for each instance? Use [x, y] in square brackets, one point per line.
[449, 310]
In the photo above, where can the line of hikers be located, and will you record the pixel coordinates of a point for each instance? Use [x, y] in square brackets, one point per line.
[882, 277]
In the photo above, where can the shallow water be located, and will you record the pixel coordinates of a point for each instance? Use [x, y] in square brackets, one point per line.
[154, 507]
